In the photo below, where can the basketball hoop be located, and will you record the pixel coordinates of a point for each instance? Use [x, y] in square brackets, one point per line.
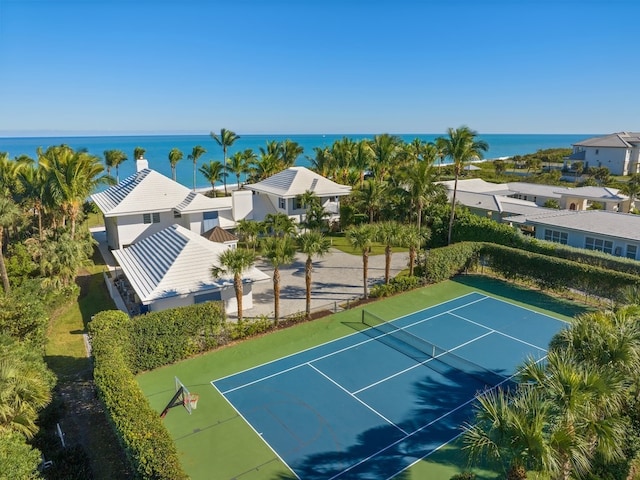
[192, 399]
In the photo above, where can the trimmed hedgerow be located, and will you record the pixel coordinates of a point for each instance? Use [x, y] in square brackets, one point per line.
[161, 338]
[512, 263]
[395, 285]
[145, 440]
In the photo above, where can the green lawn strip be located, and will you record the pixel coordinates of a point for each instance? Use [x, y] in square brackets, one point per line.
[215, 439]
[65, 351]
[341, 242]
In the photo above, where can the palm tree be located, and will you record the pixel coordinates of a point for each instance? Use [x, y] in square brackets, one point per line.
[195, 154]
[419, 179]
[175, 155]
[311, 244]
[213, 172]
[279, 225]
[138, 153]
[461, 146]
[226, 139]
[389, 234]
[70, 178]
[361, 238]
[33, 181]
[632, 188]
[413, 238]
[9, 214]
[235, 261]
[386, 150]
[361, 160]
[248, 230]
[239, 162]
[290, 151]
[278, 251]
[372, 196]
[323, 162]
[113, 159]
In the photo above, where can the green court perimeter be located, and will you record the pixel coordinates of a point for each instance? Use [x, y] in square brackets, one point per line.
[214, 442]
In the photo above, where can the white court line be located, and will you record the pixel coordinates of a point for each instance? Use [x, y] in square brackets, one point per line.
[425, 363]
[357, 399]
[266, 377]
[346, 336]
[499, 332]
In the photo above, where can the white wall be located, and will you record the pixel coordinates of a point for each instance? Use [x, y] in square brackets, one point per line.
[615, 159]
[242, 204]
[578, 239]
[228, 297]
[131, 227]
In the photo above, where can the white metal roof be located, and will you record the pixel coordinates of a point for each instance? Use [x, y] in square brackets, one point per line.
[295, 181]
[599, 222]
[149, 191]
[174, 262]
[613, 140]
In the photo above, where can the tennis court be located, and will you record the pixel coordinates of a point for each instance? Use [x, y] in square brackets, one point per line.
[371, 404]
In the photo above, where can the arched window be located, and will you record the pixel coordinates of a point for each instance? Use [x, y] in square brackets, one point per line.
[572, 206]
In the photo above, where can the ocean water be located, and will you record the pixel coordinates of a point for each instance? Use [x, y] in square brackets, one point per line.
[158, 147]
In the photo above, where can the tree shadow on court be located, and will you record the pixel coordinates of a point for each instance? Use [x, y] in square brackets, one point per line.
[444, 402]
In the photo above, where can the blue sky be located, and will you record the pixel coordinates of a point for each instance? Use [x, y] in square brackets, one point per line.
[331, 66]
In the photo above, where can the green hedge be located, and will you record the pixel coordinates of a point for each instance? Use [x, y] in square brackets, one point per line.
[146, 441]
[395, 285]
[161, 338]
[512, 263]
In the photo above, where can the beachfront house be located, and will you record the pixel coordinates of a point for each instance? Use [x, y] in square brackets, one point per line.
[281, 193]
[610, 232]
[173, 268]
[619, 152]
[148, 202]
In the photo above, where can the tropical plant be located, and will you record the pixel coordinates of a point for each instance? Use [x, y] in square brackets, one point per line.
[413, 238]
[226, 139]
[312, 244]
[372, 197]
[461, 146]
[235, 261]
[213, 172]
[386, 152]
[113, 159]
[25, 387]
[195, 154]
[138, 153]
[9, 214]
[632, 188]
[278, 251]
[175, 155]
[279, 225]
[290, 151]
[248, 230]
[239, 164]
[419, 180]
[361, 237]
[499, 166]
[389, 234]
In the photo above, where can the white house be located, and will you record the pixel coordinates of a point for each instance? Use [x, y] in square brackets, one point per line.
[281, 193]
[610, 232]
[147, 202]
[619, 152]
[172, 268]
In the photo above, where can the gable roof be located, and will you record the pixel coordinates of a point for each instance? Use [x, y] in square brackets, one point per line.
[613, 140]
[174, 262]
[295, 181]
[598, 222]
[149, 191]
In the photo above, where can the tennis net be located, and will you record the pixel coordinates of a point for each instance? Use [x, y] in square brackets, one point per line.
[426, 352]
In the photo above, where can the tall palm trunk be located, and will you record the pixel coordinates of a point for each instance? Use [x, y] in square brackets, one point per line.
[453, 207]
[387, 264]
[276, 295]
[3, 268]
[365, 268]
[224, 162]
[412, 259]
[237, 285]
[307, 280]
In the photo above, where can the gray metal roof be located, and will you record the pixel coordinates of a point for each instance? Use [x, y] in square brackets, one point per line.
[174, 262]
[613, 140]
[598, 222]
[295, 181]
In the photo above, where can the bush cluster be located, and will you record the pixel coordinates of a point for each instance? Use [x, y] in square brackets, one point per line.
[395, 285]
[445, 262]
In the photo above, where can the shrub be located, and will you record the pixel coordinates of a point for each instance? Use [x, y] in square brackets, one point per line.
[395, 285]
[445, 262]
[464, 476]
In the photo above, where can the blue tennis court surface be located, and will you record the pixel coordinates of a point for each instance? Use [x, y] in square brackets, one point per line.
[369, 405]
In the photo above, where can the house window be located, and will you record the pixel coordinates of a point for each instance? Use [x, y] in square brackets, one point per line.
[555, 236]
[177, 214]
[282, 203]
[632, 251]
[598, 244]
[151, 217]
[597, 151]
[297, 203]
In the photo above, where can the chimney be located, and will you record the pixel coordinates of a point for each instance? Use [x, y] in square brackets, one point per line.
[141, 163]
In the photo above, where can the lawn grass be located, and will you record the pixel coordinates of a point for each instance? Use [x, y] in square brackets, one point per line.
[65, 352]
[341, 242]
[216, 439]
